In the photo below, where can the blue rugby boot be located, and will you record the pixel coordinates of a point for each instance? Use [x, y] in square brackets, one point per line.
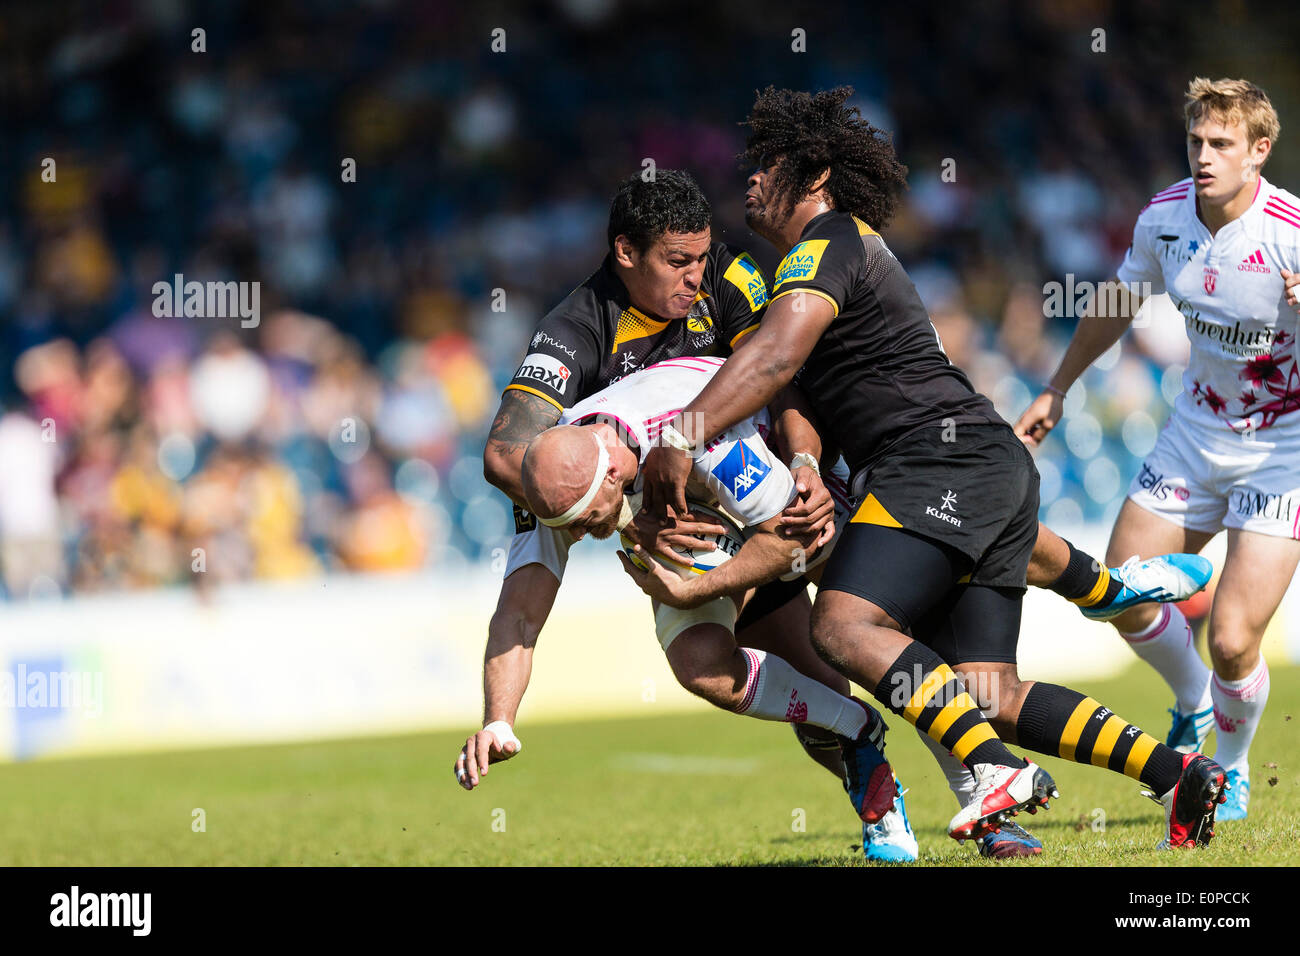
[891, 839]
[867, 775]
[1165, 578]
[1235, 807]
[1190, 731]
[1011, 841]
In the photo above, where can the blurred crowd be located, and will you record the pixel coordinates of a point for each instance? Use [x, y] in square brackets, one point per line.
[343, 429]
[153, 457]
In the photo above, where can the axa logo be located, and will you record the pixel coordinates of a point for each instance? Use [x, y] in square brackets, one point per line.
[545, 369]
[1255, 263]
[746, 480]
[741, 471]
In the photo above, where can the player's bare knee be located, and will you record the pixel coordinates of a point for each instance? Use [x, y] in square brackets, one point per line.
[829, 645]
[717, 690]
[709, 672]
[1232, 647]
[834, 632]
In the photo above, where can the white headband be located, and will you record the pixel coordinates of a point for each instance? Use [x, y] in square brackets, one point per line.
[602, 466]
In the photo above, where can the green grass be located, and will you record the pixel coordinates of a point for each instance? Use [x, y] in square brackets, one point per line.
[705, 788]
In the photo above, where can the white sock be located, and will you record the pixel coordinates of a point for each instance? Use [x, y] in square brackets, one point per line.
[1238, 708]
[1167, 646]
[776, 691]
[960, 780]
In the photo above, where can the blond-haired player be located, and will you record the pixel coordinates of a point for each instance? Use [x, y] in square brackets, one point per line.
[1225, 244]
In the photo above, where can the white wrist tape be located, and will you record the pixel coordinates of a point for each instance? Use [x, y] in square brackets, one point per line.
[674, 439]
[805, 460]
[504, 734]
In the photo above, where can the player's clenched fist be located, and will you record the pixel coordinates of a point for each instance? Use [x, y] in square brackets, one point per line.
[812, 509]
[492, 744]
[1292, 279]
[1039, 418]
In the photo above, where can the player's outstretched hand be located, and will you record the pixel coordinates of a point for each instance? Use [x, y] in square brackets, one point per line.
[811, 511]
[480, 750]
[661, 584]
[1292, 279]
[664, 477]
[1039, 418]
[683, 533]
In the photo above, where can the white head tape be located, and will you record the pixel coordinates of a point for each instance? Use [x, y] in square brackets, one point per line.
[602, 466]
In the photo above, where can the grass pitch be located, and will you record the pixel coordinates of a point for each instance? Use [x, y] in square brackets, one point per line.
[694, 789]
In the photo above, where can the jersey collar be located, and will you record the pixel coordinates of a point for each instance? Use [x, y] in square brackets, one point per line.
[1263, 190]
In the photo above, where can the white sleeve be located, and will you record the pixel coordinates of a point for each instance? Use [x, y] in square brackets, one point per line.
[542, 545]
[1140, 263]
[749, 480]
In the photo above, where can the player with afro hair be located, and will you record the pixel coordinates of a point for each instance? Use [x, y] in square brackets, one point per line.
[813, 132]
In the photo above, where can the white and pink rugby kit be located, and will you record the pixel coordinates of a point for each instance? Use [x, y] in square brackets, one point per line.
[1229, 456]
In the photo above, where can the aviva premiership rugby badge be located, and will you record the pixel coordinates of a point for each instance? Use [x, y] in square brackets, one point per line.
[801, 262]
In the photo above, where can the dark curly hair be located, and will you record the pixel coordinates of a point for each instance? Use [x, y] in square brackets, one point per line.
[643, 211]
[810, 132]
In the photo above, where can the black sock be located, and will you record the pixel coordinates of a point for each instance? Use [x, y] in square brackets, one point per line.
[1061, 722]
[1085, 580]
[924, 691]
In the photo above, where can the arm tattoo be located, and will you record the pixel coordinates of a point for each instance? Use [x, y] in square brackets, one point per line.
[521, 418]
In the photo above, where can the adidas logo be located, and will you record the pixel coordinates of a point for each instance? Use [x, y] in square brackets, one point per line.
[1254, 263]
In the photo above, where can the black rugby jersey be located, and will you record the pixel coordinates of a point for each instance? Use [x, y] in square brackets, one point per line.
[879, 371]
[595, 336]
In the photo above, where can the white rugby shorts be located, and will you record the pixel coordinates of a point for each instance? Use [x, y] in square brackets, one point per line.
[1209, 481]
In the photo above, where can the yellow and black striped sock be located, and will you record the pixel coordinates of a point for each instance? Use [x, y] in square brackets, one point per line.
[1085, 580]
[1063, 723]
[923, 690]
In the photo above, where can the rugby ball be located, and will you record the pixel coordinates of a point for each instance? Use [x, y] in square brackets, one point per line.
[691, 560]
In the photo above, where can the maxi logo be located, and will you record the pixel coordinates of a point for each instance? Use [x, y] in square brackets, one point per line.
[741, 471]
[545, 369]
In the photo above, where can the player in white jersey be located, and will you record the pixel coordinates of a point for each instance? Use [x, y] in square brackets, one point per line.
[1225, 245]
[575, 476]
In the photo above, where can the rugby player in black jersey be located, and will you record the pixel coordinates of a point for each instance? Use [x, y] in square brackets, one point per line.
[666, 290]
[943, 537]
